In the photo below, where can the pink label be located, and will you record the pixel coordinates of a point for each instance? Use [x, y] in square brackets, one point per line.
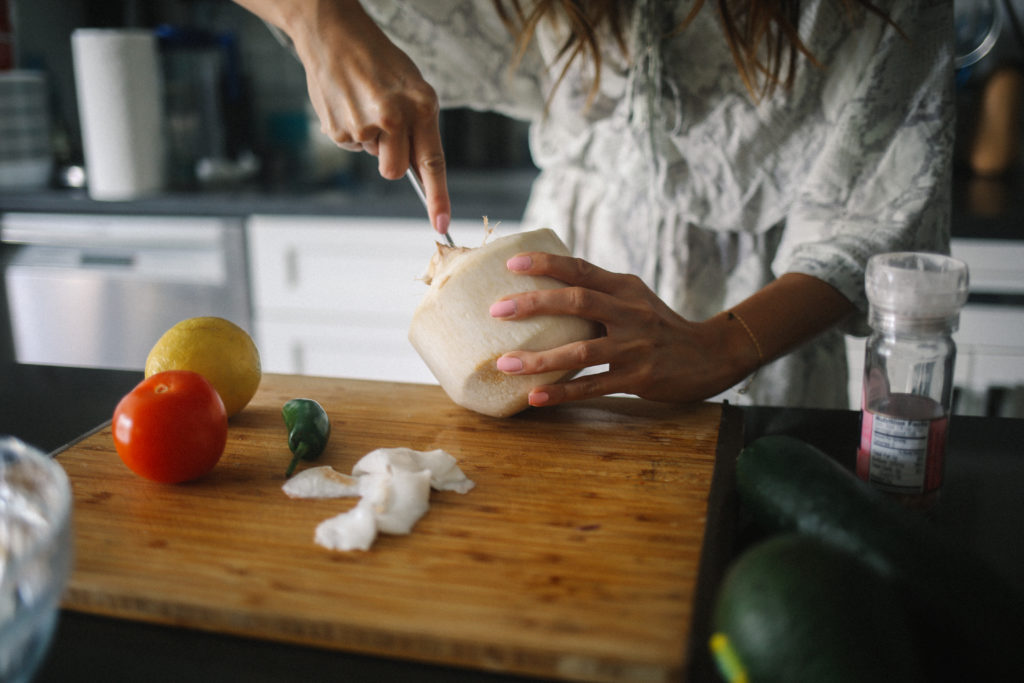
[901, 455]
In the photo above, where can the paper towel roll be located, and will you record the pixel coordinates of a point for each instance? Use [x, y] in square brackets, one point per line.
[120, 105]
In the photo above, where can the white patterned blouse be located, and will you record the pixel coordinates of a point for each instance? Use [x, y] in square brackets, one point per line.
[674, 172]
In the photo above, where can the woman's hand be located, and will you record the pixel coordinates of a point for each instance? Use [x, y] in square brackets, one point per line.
[651, 351]
[367, 93]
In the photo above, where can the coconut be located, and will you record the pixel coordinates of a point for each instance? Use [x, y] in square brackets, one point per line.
[455, 335]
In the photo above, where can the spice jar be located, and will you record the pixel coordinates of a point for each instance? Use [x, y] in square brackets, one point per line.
[915, 301]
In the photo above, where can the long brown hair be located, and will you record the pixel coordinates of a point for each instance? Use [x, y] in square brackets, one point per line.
[762, 34]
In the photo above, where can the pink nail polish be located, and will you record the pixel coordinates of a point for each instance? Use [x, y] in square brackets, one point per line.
[442, 222]
[509, 364]
[519, 263]
[538, 398]
[503, 309]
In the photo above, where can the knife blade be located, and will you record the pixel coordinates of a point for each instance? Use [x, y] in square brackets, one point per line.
[415, 182]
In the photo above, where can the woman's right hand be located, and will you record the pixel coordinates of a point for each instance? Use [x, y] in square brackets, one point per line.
[368, 94]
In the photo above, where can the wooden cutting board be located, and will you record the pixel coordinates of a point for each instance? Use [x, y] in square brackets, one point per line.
[576, 555]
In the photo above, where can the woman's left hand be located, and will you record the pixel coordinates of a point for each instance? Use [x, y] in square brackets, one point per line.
[650, 350]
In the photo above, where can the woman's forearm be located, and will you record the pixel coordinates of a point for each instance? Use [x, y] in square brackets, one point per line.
[276, 12]
[307, 20]
[780, 317]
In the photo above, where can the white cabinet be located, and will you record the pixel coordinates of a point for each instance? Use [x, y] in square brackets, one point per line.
[333, 296]
[989, 373]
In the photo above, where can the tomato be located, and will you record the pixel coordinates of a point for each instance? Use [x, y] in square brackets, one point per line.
[171, 428]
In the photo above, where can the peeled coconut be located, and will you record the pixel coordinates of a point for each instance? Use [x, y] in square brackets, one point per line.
[454, 333]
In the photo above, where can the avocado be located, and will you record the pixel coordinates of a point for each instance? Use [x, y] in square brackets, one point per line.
[793, 608]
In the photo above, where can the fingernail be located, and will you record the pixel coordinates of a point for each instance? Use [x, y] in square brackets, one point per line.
[503, 309]
[538, 398]
[510, 364]
[442, 222]
[519, 263]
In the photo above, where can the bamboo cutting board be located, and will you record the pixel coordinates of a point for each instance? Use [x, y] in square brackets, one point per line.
[575, 556]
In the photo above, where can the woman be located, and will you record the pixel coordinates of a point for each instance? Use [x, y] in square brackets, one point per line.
[722, 174]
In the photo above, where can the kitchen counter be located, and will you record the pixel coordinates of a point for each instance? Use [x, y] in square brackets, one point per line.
[501, 195]
[983, 208]
[50, 406]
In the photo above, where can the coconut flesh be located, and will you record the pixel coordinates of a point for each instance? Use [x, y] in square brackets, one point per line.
[455, 335]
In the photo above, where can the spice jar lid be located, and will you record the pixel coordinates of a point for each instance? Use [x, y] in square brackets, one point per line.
[916, 285]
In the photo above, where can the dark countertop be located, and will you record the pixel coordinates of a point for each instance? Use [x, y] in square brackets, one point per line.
[51, 406]
[500, 195]
[985, 208]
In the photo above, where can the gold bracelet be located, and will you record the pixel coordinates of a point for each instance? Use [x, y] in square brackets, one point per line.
[732, 315]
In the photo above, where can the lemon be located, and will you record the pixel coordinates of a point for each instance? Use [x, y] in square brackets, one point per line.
[217, 349]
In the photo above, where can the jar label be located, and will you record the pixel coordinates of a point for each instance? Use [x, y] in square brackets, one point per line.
[901, 455]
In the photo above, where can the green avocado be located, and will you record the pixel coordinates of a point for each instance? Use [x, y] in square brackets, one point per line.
[793, 608]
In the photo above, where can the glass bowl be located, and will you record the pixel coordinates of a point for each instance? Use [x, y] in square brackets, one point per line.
[35, 555]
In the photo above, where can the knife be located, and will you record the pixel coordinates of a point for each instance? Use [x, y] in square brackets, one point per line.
[415, 182]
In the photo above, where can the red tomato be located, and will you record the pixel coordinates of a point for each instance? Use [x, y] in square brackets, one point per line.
[171, 428]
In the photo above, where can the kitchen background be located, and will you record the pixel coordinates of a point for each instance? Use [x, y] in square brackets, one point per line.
[264, 221]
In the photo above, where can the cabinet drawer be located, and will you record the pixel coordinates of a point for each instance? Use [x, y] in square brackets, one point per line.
[991, 325]
[994, 265]
[358, 265]
[982, 369]
[367, 352]
[335, 296]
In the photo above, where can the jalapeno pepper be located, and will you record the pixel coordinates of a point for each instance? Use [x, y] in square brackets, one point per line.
[308, 430]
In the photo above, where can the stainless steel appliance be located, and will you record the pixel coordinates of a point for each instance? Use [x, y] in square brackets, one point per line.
[99, 290]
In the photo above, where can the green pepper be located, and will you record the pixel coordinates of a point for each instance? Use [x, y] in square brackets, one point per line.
[308, 430]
